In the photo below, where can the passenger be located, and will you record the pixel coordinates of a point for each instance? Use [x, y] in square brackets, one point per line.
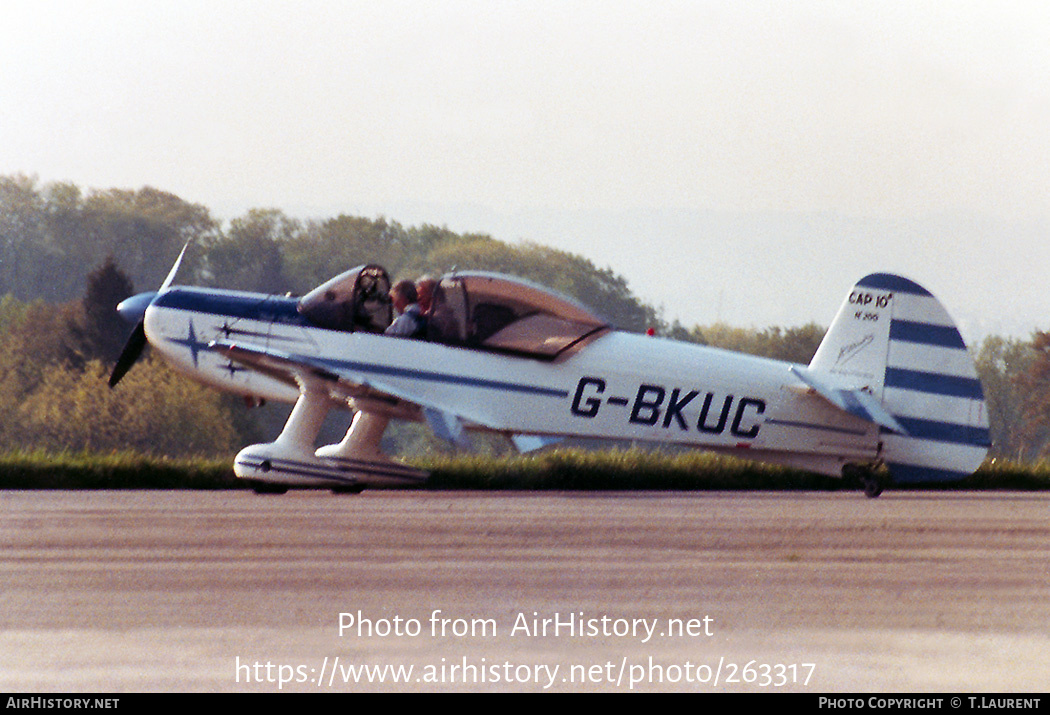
[442, 326]
[425, 291]
[410, 322]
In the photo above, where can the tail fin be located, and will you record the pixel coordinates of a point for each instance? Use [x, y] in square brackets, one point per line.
[894, 340]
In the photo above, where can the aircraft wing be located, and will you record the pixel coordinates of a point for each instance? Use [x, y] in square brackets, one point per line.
[341, 382]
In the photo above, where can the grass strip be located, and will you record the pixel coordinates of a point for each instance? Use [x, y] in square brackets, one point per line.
[564, 469]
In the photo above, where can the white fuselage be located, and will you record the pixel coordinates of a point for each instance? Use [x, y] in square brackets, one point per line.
[620, 386]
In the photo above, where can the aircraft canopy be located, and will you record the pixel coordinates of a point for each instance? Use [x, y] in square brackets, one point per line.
[504, 314]
[484, 311]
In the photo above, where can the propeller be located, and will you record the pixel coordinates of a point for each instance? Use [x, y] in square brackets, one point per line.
[133, 309]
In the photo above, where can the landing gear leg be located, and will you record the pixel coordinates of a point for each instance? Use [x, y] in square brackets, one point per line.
[271, 468]
[362, 439]
[360, 444]
[360, 457]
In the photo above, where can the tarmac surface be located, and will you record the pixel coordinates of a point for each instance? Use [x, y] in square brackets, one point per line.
[497, 591]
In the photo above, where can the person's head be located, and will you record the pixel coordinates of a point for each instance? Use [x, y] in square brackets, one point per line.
[425, 292]
[403, 294]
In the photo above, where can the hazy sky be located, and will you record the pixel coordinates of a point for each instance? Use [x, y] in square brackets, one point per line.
[737, 160]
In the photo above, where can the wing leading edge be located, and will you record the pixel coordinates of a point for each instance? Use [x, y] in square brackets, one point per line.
[343, 384]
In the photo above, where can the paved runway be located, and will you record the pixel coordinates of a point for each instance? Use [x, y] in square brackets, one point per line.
[453, 591]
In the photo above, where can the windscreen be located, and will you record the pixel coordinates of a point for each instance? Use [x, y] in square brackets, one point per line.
[358, 299]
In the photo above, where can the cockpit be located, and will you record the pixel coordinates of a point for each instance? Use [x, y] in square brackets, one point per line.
[478, 310]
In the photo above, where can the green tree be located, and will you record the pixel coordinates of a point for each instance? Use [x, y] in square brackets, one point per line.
[35, 336]
[50, 237]
[600, 289]
[326, 248]
[144, 230]
[1005, 368]
[98, 332]
[797, 345]
[23, 231]
[1034, 384]
[249, 255]
[155, 411]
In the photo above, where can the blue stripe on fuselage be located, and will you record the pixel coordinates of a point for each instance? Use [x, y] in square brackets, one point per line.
[447, 378]
[247, 306]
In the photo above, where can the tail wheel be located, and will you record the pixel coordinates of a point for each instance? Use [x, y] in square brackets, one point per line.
[870, 479]
[872, 485]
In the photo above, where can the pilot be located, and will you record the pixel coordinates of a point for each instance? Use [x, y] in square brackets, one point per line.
[410, 322]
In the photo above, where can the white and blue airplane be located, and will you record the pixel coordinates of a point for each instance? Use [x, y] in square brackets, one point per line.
[891, 384]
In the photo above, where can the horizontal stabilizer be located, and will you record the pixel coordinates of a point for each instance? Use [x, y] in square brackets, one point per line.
[531, 442]
[857, 401]
[446, 426]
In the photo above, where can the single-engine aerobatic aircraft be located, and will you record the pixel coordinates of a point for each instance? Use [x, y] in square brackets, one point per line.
[892, 382]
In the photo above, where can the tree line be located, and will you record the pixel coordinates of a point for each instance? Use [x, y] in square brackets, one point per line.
[68, 255]
[53, 235]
